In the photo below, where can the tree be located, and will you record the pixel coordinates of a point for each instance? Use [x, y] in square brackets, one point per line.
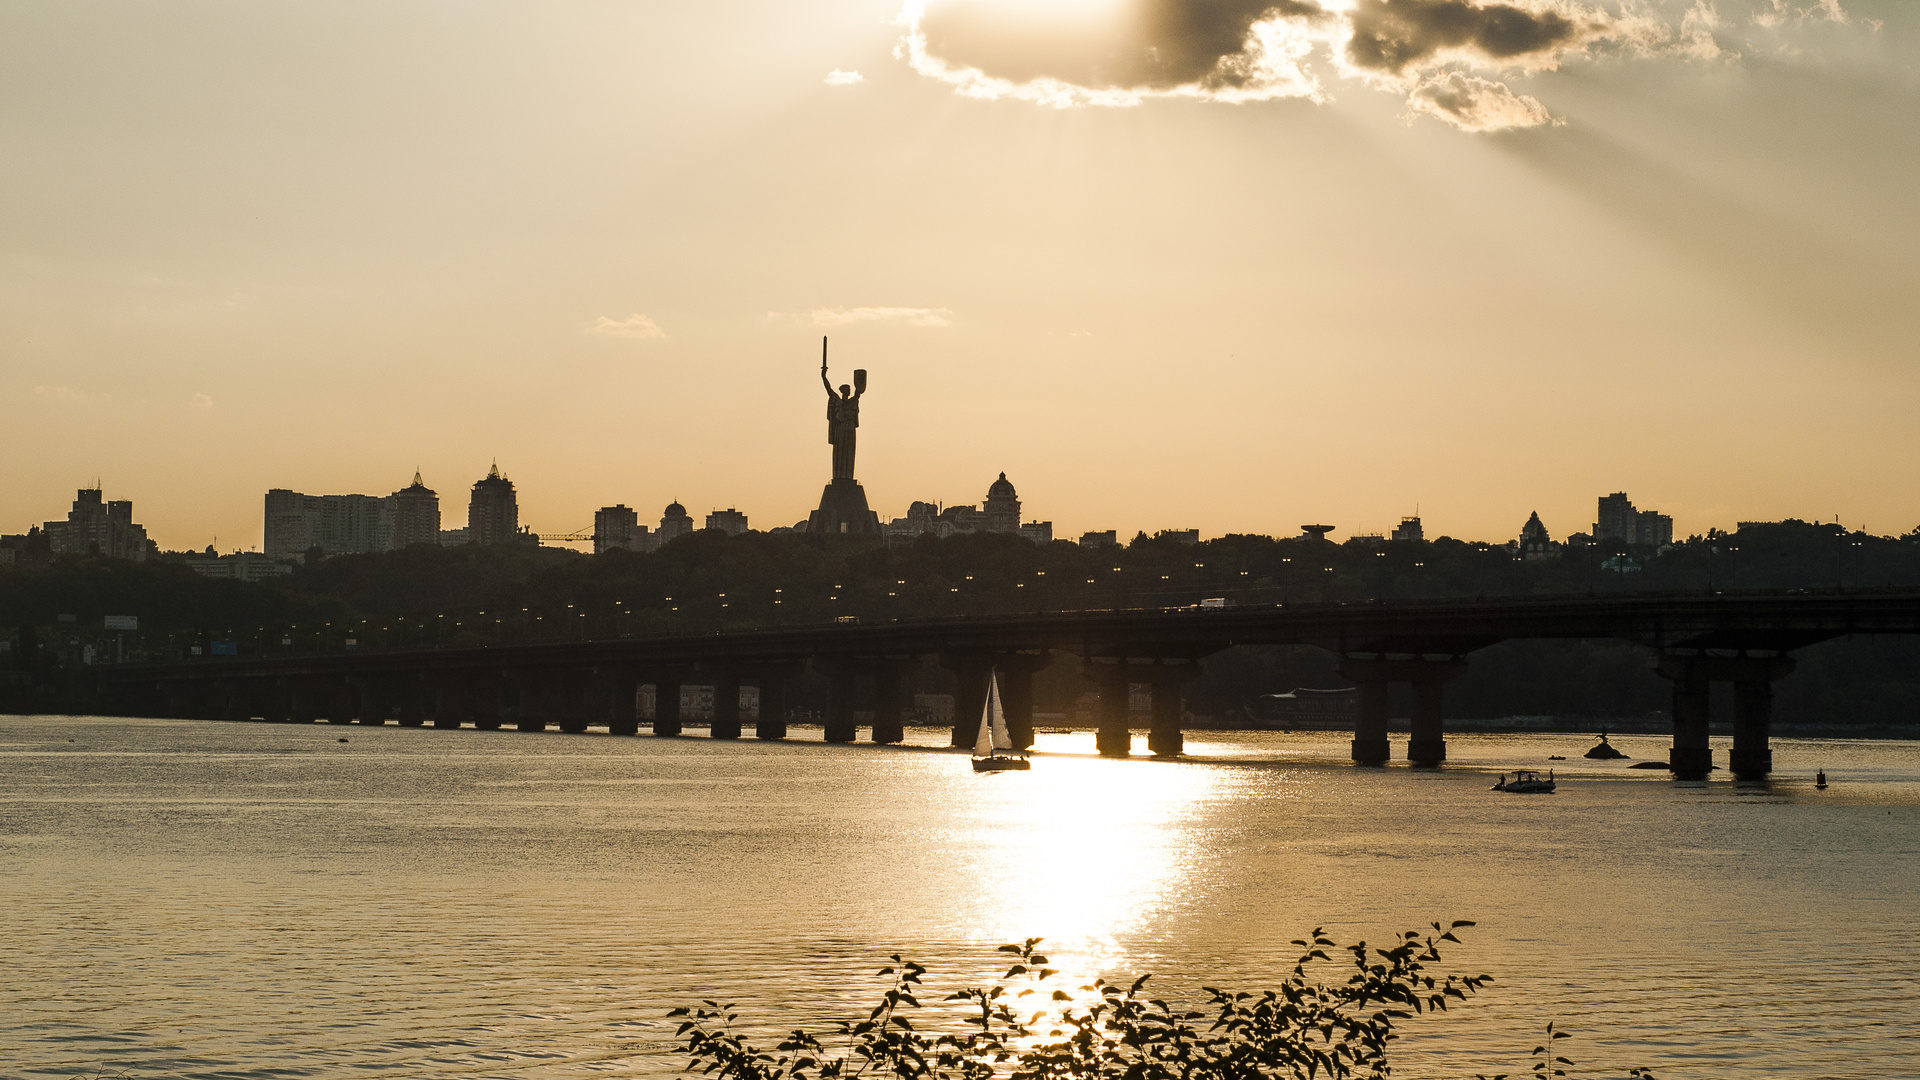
[1305, 1029]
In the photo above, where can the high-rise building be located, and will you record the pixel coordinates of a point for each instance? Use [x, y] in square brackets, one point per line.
[94, 527]
[1617, 519]
[493, 512]
[1001, 512]
[729, 521]
[1040, 532]
[335, 524]
[1620, 521]
[617, 528]
[416, 516]
[675, 522]
[1410, 530]
[297, 523]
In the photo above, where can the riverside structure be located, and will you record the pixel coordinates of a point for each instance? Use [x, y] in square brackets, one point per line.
[1692, 640]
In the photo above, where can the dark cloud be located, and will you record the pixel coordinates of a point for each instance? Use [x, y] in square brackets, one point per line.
[1390, 36]
[1254, 50]
[1147, 44]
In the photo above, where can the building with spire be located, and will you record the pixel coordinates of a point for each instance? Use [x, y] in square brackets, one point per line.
[493, 511]
[416, 515]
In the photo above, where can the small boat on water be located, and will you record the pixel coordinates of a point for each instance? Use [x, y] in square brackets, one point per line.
[1526, 782]
[993, 751]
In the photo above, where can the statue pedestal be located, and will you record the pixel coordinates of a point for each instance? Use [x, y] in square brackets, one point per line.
[843, 511]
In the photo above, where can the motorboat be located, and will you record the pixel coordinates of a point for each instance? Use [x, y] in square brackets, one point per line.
[1526, 782]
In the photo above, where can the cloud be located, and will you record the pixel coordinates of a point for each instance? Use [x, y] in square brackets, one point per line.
[912, 316]
[1471, 103]
[1394, 36]
[1437, 52]
[202, 401]
[836, 77]
[1116, 54]
[633, 326]
[1780, 12]
[1697, 38]
[62, 393]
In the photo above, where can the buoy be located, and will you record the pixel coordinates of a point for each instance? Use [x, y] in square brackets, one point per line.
[1820, 780]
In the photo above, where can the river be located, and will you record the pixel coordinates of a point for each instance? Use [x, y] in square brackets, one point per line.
[195, 899]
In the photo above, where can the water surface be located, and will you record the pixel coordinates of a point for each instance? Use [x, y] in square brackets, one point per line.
[192, 899]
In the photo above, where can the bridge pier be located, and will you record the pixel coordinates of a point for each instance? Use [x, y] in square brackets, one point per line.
[771, 721]
[299, 695]
[1370, 745]
[1691, 757]
[623, 706]
[889, 709]
[726, 707]
[411, 690]
[381, 697]
[1752, 673]
[1428, 674]
[1165, 739]
[840, 689]
[338, 699]
[484, 702]
[1112, 736]
[225, 701]
[666, 707]
[970, 674]
[1016, 692]
[1428, 744]
[1753, 676]
[532, 713]
[449, 692]
[572, 703]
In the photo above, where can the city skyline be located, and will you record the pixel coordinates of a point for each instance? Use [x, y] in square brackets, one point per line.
[525, 242]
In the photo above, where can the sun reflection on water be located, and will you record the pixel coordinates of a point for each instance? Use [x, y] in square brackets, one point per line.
[1079, 852]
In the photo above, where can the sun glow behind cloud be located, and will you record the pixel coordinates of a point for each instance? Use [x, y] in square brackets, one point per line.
[1438, 54]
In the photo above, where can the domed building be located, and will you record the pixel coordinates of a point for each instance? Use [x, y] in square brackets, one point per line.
[1001, 512]
[675, 522]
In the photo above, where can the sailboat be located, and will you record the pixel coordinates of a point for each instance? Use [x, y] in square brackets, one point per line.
[993, 750]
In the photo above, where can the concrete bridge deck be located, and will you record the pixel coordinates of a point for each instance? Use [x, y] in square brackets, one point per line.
[1693, 639]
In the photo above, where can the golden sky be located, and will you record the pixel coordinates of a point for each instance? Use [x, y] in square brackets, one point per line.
[1167, 263]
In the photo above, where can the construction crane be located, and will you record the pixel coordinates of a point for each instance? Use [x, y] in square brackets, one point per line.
[574, 537]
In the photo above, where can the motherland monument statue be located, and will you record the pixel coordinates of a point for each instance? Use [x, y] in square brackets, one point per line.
[843, 505]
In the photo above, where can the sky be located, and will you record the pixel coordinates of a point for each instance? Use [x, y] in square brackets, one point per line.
[1217, 264]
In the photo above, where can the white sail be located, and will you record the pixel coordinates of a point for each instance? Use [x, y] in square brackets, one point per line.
[1002, 739]
[983, 746]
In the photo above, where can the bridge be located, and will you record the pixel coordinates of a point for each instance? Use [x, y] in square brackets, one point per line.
[1692, 640]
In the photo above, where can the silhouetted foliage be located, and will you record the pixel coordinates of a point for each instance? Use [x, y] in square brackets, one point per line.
[1022, 1029]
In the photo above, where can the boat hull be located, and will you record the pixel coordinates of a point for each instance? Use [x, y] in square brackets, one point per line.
[1001, 764]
